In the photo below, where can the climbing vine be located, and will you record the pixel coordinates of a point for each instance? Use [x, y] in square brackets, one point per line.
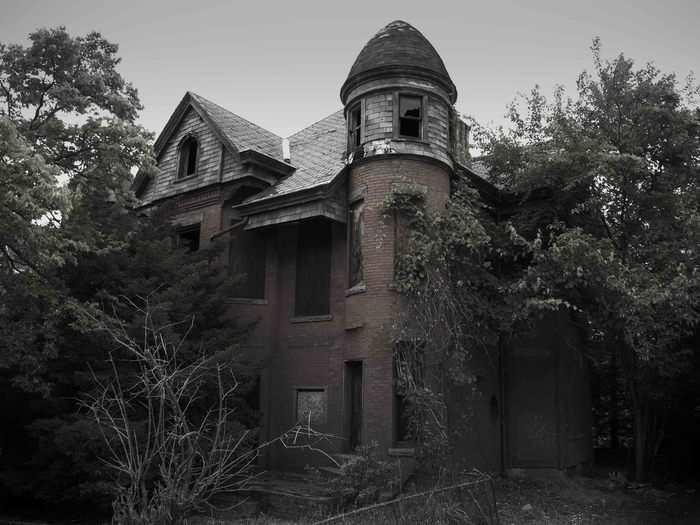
[448, 272]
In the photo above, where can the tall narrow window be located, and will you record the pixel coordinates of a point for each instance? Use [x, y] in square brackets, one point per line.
[355, 128]
[313, 276]
[188, 158]
[410, 116]
[247, 257]
[356, 269]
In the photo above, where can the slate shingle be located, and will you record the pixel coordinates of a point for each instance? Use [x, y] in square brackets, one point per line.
[243, 133]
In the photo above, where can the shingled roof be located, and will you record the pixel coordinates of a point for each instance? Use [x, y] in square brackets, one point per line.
[241, 132]
[233, 129]
[398, 46]
[317, 153]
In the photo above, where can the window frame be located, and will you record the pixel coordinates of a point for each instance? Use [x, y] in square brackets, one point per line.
[357, 202]
[323, 390]
[180, 230]
[355, 131]
[296, 314]
[183, 158]
[261, 238]
[397, 114]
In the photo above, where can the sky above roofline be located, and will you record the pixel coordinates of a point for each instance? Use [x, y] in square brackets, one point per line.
[281, 64]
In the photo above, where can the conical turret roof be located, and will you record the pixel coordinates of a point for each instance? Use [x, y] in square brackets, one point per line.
[398, 47]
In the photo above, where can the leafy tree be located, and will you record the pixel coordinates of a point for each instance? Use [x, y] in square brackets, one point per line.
[71, 242]
[616, 232]
[68, 143]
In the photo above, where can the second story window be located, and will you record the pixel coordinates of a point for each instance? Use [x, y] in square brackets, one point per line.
[410, 116]
[355, 128]
[313, 281]
[189, 154]
[247, 261]
[356, 227]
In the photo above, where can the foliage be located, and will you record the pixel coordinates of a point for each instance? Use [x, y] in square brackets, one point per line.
[173, 442]
[364, 477]
[450, 274]
[612, 221]
[68, 143]
[71, 242]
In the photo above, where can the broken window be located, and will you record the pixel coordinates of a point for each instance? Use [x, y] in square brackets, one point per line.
[311, 406]
[188, 238]
[247, 258]
[355, 244]
[188, 158]
[410, 116]
[354, 128]
[313, 275]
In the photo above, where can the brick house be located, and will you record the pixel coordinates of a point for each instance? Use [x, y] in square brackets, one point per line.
[303, 217]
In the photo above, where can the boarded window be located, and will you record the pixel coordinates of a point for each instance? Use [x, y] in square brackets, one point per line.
[354, 128]
[313, 276]
[410, 116]
[247, 258]
[188, 157]
[311, 406]
[356, 234]
[188, 238]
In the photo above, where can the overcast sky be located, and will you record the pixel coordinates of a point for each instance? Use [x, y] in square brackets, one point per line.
[281, 64]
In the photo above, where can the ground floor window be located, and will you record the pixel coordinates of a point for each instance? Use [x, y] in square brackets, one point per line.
[311, 406]
[188, 238]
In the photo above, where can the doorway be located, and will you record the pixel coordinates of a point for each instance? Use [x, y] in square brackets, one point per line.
[353, 374]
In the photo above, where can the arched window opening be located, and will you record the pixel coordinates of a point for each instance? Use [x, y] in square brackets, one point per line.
[188, 157]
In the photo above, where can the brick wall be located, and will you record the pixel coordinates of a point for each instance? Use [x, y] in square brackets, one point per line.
[370, 314]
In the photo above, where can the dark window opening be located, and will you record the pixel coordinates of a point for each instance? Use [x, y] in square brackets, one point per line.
[188, 238]
[356, 273]
[313, 275]
[353, 386]
[410, 116]
[355, 128]
[188, 157]
[247, 258]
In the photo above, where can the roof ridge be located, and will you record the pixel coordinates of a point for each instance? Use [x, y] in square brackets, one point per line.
[341, 110]
[198, 96]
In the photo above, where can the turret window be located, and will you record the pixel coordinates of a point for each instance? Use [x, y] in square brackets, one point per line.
[355, 128]
[410, 116]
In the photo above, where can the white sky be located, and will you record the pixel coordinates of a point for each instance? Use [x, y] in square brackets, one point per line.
[281, 64]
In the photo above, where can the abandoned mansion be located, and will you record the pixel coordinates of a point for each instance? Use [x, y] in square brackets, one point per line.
[305, 223]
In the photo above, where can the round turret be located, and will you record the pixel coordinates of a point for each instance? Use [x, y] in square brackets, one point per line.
[398, 51]
[398, 97]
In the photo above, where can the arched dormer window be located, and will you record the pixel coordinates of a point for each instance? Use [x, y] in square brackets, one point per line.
[189, 155]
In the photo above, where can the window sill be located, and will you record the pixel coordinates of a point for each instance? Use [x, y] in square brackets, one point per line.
[357, 289]
[185, 179]
[411, 139]
[311, 318]
[242, 300]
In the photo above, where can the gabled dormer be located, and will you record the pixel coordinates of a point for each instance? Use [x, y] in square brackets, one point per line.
[204, 144]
